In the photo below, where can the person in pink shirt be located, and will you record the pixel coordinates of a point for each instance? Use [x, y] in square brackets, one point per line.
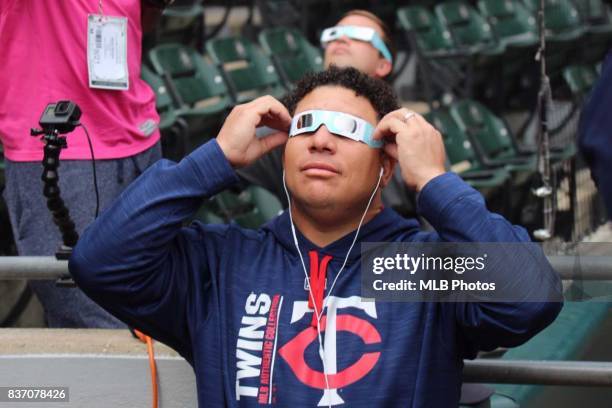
[89, 52]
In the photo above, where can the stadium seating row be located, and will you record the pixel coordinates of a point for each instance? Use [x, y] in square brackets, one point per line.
[194, 93]
[493, 44]
[199, 90]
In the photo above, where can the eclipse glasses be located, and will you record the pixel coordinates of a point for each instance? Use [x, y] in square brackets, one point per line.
[366, 34]
[338, 123]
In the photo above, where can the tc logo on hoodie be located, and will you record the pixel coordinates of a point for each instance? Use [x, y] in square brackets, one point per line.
[293, 351]
[258, 337]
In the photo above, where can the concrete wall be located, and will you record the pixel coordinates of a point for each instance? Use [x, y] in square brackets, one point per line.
[102, 368]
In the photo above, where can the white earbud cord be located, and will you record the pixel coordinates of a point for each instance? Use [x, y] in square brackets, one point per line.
[297, 247]
[352, 244]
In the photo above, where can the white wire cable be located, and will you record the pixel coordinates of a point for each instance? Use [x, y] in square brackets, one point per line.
[297, 247]
[354, 240]
[314, 303]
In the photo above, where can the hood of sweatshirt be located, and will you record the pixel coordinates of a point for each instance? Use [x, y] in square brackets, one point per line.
[386, 226]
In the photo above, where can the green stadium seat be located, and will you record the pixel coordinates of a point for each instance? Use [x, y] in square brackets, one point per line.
[462, 157]
[164, 103]
[515, 27]
[512, 23]
[495, 401]
[441, 66]
[249, 208]
[492, 138]
[231, 206]
[561, 18]
[580, 79]
[202, 95]
[173, 129]
[497, 145]
[469, 29]
[163, 99]
[268, 204]
[291, 53]
[598, 26]
[182, 22]
[425, 3]
[564, 339]
[249, 73]
[595, 13]
[489, 69]
[252, 219]
[564, 32]
[208, 216]
[232, 203]
[431, 38]
[184, 9]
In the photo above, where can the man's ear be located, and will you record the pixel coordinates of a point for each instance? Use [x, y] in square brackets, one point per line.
[388, 164]
[383, 67]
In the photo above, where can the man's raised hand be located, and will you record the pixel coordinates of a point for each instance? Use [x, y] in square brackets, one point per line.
[415, 144]
[237, 136]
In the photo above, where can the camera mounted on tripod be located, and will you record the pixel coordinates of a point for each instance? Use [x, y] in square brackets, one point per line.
[58, 118]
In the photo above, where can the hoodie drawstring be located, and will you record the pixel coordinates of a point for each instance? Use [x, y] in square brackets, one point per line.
[318, 277]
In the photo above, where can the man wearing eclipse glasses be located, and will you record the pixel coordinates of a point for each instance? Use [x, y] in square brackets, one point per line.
[363, 41]
[275, 316]
[360, 40]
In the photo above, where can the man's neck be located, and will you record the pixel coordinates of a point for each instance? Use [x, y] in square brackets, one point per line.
[324, 226]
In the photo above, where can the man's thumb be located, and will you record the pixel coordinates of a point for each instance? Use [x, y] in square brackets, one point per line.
[274, 140]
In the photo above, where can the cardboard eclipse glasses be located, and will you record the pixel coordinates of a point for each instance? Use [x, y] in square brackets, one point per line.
[366, 34]
[338, 123]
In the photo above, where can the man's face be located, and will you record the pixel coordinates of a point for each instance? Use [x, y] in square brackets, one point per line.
[325, 171]
[346, 52]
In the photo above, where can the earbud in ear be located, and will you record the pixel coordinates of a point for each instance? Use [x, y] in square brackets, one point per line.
[382, 170]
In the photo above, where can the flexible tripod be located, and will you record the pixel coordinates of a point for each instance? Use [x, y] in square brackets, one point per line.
[55, 140]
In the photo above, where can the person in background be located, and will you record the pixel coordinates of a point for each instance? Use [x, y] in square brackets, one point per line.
[55, 50]
[345, 45]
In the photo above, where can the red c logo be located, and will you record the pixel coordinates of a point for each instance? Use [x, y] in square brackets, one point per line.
[293, 353]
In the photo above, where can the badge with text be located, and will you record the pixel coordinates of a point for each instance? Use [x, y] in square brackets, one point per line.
[107, 52]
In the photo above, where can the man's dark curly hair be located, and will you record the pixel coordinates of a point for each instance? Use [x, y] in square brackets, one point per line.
[377, 91]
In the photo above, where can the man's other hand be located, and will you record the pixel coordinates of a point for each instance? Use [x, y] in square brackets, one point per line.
[237, 136]
[415, 144]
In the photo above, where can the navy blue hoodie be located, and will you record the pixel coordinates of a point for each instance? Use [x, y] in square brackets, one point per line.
[595, 133]
[233, 302]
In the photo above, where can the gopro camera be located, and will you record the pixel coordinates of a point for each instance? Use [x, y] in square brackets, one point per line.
[62, 116]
